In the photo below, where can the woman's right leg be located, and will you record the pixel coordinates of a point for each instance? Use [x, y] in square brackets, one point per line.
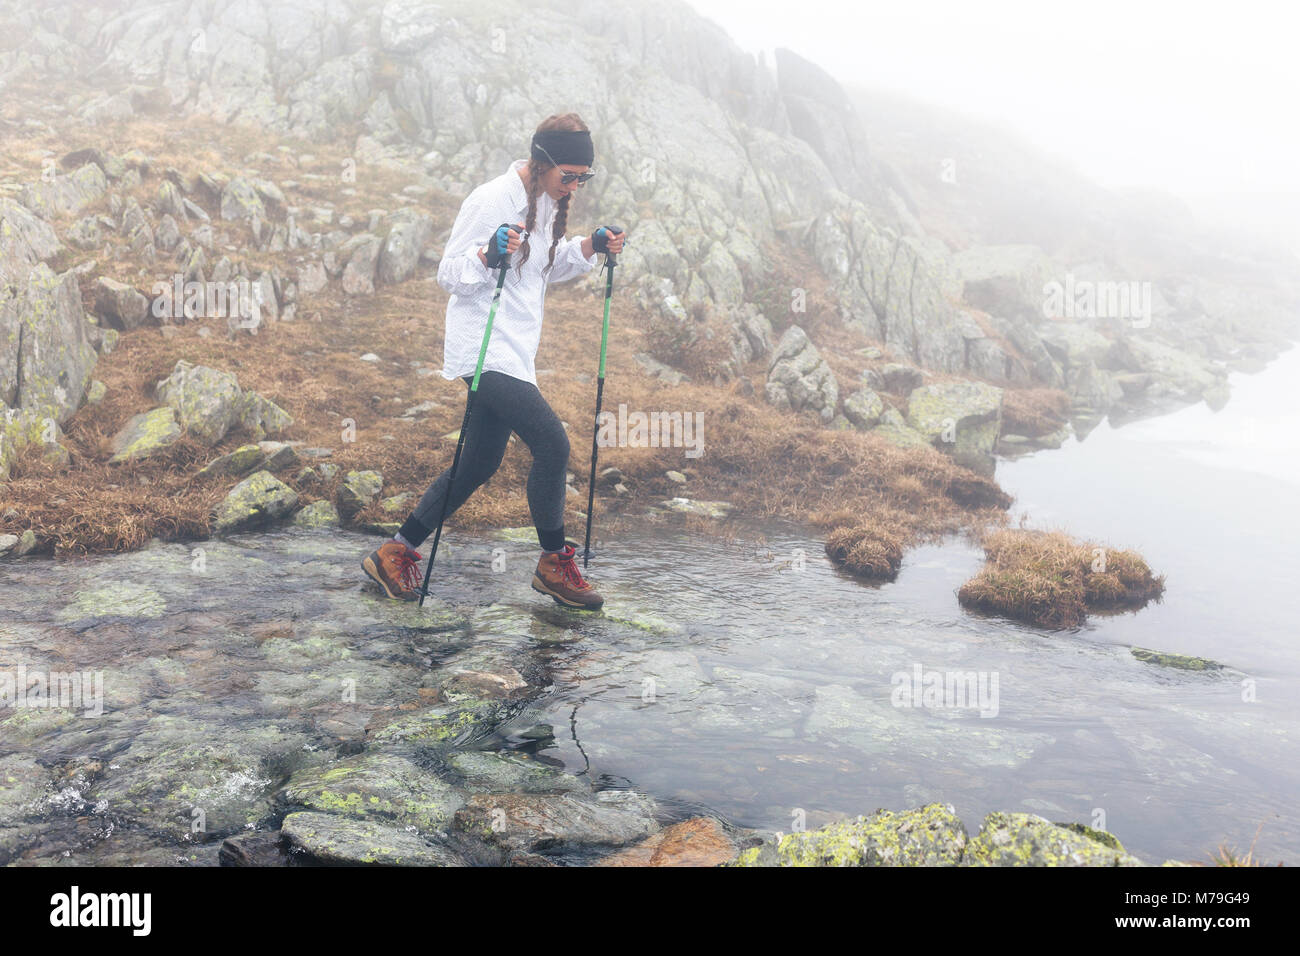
[485, 446]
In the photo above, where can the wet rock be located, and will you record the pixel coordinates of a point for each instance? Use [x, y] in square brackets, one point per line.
[24, 784]
[255, 502]
[253, 849]
[179, 779]
[207, 401]
[351, 842]
[375, 786]
[145, 434]
[444, 726]
[1022, 839]
[930, 836]
[499, 683]
[700, 841]
[507, 772]
[1178, 661]
[708, 509]
[515, 825]
[358, 490]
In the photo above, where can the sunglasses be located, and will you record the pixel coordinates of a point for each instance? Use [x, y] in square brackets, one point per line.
[567, 178]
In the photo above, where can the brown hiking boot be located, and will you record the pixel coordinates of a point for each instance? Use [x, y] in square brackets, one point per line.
[558, 576]
[396, 569]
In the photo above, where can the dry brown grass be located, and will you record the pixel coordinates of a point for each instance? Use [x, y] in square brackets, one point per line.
[1050, 579]
[1034, 412]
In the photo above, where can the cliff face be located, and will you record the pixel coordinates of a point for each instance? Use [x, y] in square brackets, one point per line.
[717, 162]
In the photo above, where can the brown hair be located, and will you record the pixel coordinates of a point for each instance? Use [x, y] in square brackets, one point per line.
[537, 168]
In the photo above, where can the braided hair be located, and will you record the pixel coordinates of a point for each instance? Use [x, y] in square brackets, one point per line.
[537, 168]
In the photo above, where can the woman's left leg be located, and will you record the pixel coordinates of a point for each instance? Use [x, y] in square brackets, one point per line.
[520, 405]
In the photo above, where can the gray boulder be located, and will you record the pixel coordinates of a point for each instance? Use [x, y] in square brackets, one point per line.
[207, 401]
[253, 503]
[962, 419]
[359, 273]
[120, 305]
[799, 378]
[402, 247]
[863, 408]
[145, 434]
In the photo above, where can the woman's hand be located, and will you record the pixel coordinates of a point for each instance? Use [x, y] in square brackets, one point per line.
[503, 244]
[608, 239]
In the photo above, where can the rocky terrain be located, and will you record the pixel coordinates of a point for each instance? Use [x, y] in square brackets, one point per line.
[725, 169]
[203, 204]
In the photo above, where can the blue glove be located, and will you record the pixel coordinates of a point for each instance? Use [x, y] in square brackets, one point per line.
[600, 238]
[499, 245]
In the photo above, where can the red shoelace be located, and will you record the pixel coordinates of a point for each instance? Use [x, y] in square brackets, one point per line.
[408, 570]
[569, 569]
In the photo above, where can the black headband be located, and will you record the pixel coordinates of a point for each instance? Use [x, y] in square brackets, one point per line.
[567, 147]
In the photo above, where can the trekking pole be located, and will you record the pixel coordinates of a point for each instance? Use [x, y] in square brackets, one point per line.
[610, 261]
[464, 425]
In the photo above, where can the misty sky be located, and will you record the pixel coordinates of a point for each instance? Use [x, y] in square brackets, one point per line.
[1192, 97]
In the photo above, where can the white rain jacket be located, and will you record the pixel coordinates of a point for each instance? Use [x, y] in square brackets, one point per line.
[517, 328]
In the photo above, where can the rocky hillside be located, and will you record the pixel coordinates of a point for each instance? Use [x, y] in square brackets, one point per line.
[765, 205]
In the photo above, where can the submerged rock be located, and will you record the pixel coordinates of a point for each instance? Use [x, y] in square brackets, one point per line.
[341, 840]
[700, 841]
[1179, 661]
[512, 825]
[512, 772]
[375, 786]
[707, 509]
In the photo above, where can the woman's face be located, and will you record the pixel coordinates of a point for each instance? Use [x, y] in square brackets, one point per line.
[551, 181]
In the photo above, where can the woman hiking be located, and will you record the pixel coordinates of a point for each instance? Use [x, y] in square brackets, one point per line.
[499, 219]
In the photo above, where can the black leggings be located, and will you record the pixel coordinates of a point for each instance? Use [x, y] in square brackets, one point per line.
[504, 404]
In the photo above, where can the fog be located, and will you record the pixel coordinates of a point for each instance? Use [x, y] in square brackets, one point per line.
[1195, 98]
